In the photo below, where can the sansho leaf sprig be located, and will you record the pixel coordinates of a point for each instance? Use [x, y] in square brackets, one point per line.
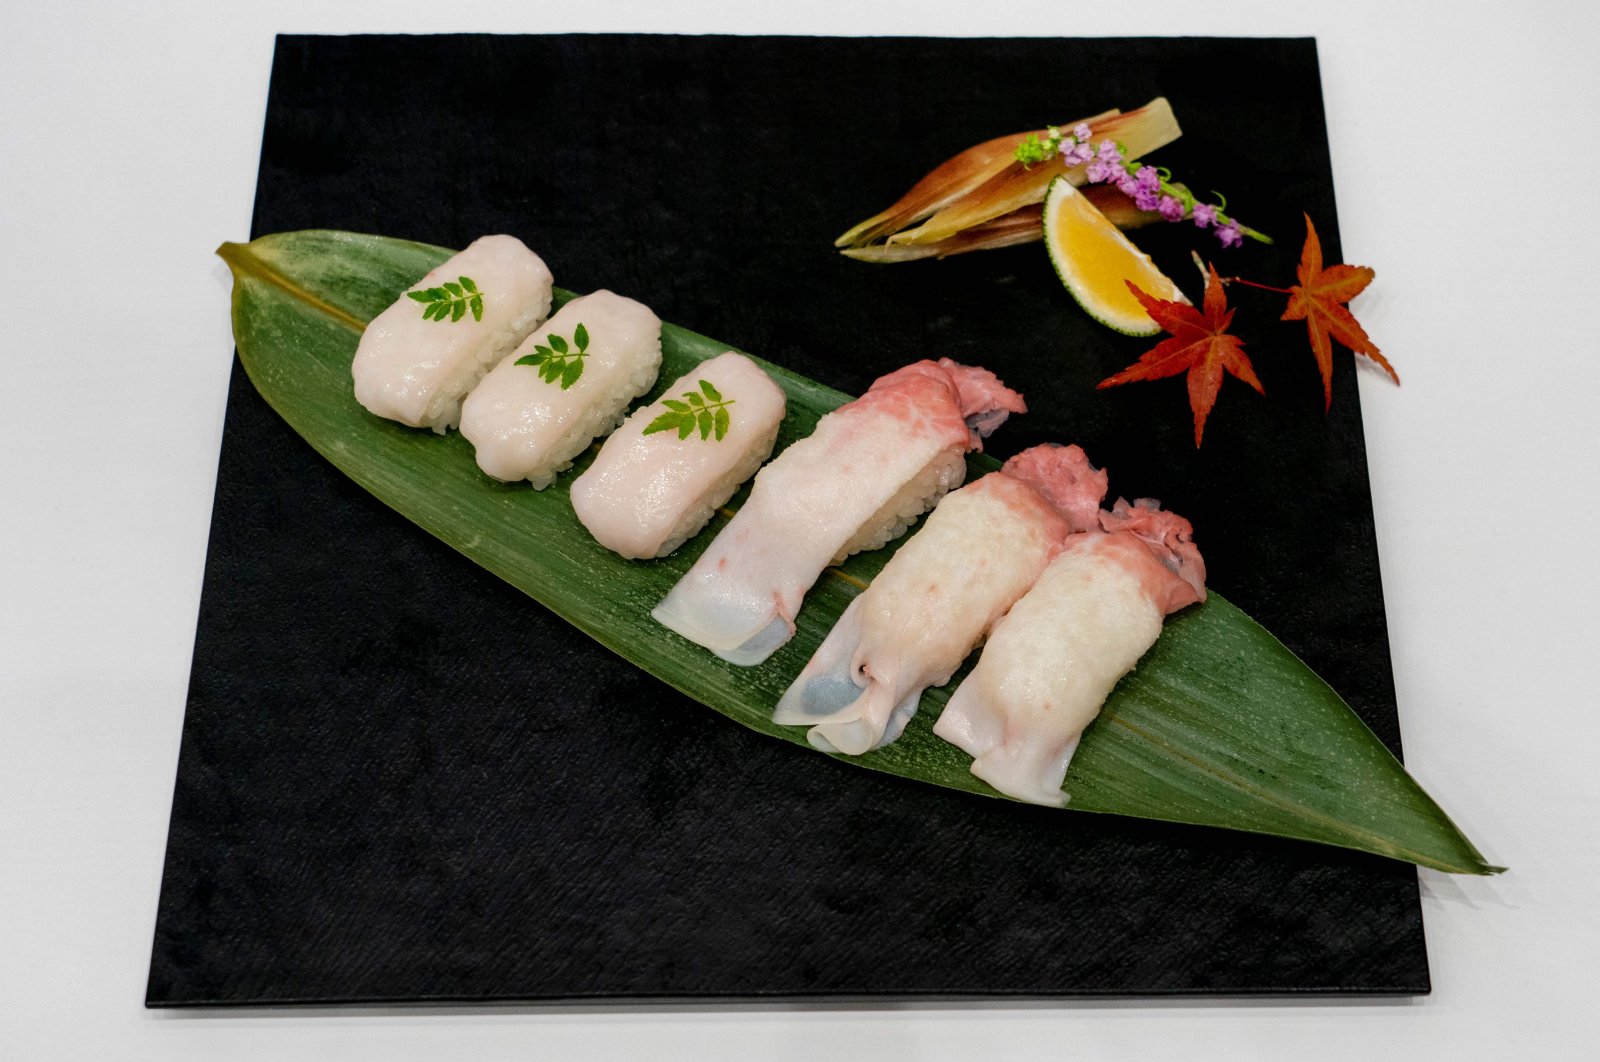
[704, 410]
[453, 299]
[559, 361]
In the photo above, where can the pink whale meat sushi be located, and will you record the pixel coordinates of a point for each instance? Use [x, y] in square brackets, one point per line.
[868, 470]
[1052, 661]
[980, 550]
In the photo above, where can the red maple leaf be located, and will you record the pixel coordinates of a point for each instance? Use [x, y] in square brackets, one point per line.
[1319, 299]
[1200, 345]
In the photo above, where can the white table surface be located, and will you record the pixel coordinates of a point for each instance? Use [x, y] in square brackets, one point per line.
[1466, 165]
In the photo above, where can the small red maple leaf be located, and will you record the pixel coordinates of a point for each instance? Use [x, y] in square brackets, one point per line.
[1318, 301]
[1200, 345]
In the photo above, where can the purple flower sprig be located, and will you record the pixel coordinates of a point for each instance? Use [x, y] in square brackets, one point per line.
[1151, 188]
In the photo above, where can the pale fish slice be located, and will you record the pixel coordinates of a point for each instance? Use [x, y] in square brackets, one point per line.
[417, 359]
[526, 422]
[652, 487]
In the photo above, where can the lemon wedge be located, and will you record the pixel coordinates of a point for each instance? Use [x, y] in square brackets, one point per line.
[1095, 260]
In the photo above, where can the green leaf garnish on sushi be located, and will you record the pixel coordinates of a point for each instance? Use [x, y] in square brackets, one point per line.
[453, 299]
[694, 414]
[558, 361]
[1220, 724]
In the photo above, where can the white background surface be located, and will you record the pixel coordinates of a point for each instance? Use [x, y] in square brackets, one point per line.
[1465, 160]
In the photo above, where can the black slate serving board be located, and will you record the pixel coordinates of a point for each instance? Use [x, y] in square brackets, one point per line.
[401, 780]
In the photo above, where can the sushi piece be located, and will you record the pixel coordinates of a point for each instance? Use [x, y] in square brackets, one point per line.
[570, 381]
[1053, 659]
[935, 600]
[870, 468]
[417, 359]
[661, 475]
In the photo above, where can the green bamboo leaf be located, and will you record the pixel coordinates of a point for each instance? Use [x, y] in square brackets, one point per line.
[1220, 725]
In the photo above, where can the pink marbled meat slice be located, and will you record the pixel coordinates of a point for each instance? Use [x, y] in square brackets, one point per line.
[1064, 475]
[1178, 577]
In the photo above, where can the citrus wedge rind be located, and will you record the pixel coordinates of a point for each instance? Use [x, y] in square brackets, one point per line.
[1095, 260]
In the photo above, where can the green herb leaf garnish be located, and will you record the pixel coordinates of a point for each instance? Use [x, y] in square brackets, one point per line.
[704, 411]
[452, 300]
[558, 361]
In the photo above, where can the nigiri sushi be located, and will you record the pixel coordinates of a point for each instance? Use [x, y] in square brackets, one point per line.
[870, 468]
[1053, 659]
[570, 381]
[659, 477]
[979, 551]
[418, 358]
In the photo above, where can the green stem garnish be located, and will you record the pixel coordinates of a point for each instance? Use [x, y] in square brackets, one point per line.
[452, 300]
[704, 411]
[559, 361]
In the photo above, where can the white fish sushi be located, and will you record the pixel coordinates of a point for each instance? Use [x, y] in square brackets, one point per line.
[979, 551]
[1053, 659]
[570, 381]
[869, 469]
[659, 477]
[417, 359]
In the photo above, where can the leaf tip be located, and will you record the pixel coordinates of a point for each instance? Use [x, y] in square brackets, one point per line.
[233, 254]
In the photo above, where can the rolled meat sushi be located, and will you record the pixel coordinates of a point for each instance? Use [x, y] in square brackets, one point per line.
[418, 358]
[980, 550]
[659, 477]
[870, 468]
[570, 381]
[1053, 659]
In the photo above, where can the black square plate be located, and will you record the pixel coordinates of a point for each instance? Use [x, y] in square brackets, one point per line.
[402, 780]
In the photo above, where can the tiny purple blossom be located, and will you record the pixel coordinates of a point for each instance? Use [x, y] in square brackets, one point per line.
[1146, 200]
[1230, 234]
[1171, 208]
[1108, 152]
[1127, 185]
[1075, 153]
[1101, 172]
[1205, 215]
[1083, 133]
[1149, 180]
